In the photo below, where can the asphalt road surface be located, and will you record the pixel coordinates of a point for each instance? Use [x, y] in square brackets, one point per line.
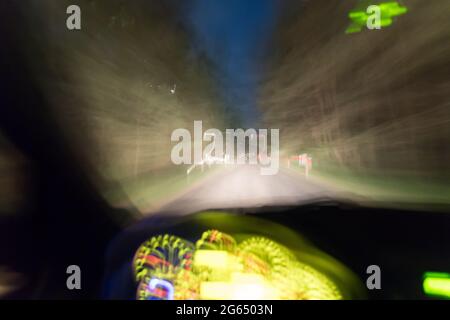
[244, 187]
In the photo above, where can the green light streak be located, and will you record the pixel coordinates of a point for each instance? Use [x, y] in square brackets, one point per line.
[388, 11]
[437, 284]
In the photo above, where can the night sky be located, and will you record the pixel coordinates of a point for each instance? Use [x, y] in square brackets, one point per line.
[234, 34]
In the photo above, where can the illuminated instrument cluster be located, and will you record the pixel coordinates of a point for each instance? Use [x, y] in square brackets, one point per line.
[217, 266]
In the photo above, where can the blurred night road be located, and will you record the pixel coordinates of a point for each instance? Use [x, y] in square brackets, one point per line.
[89, 121]
[245, 187]
[371, 107]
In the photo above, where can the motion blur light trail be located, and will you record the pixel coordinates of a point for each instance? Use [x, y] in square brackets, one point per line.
[220, 267]
[118, 89]
[372, 108]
